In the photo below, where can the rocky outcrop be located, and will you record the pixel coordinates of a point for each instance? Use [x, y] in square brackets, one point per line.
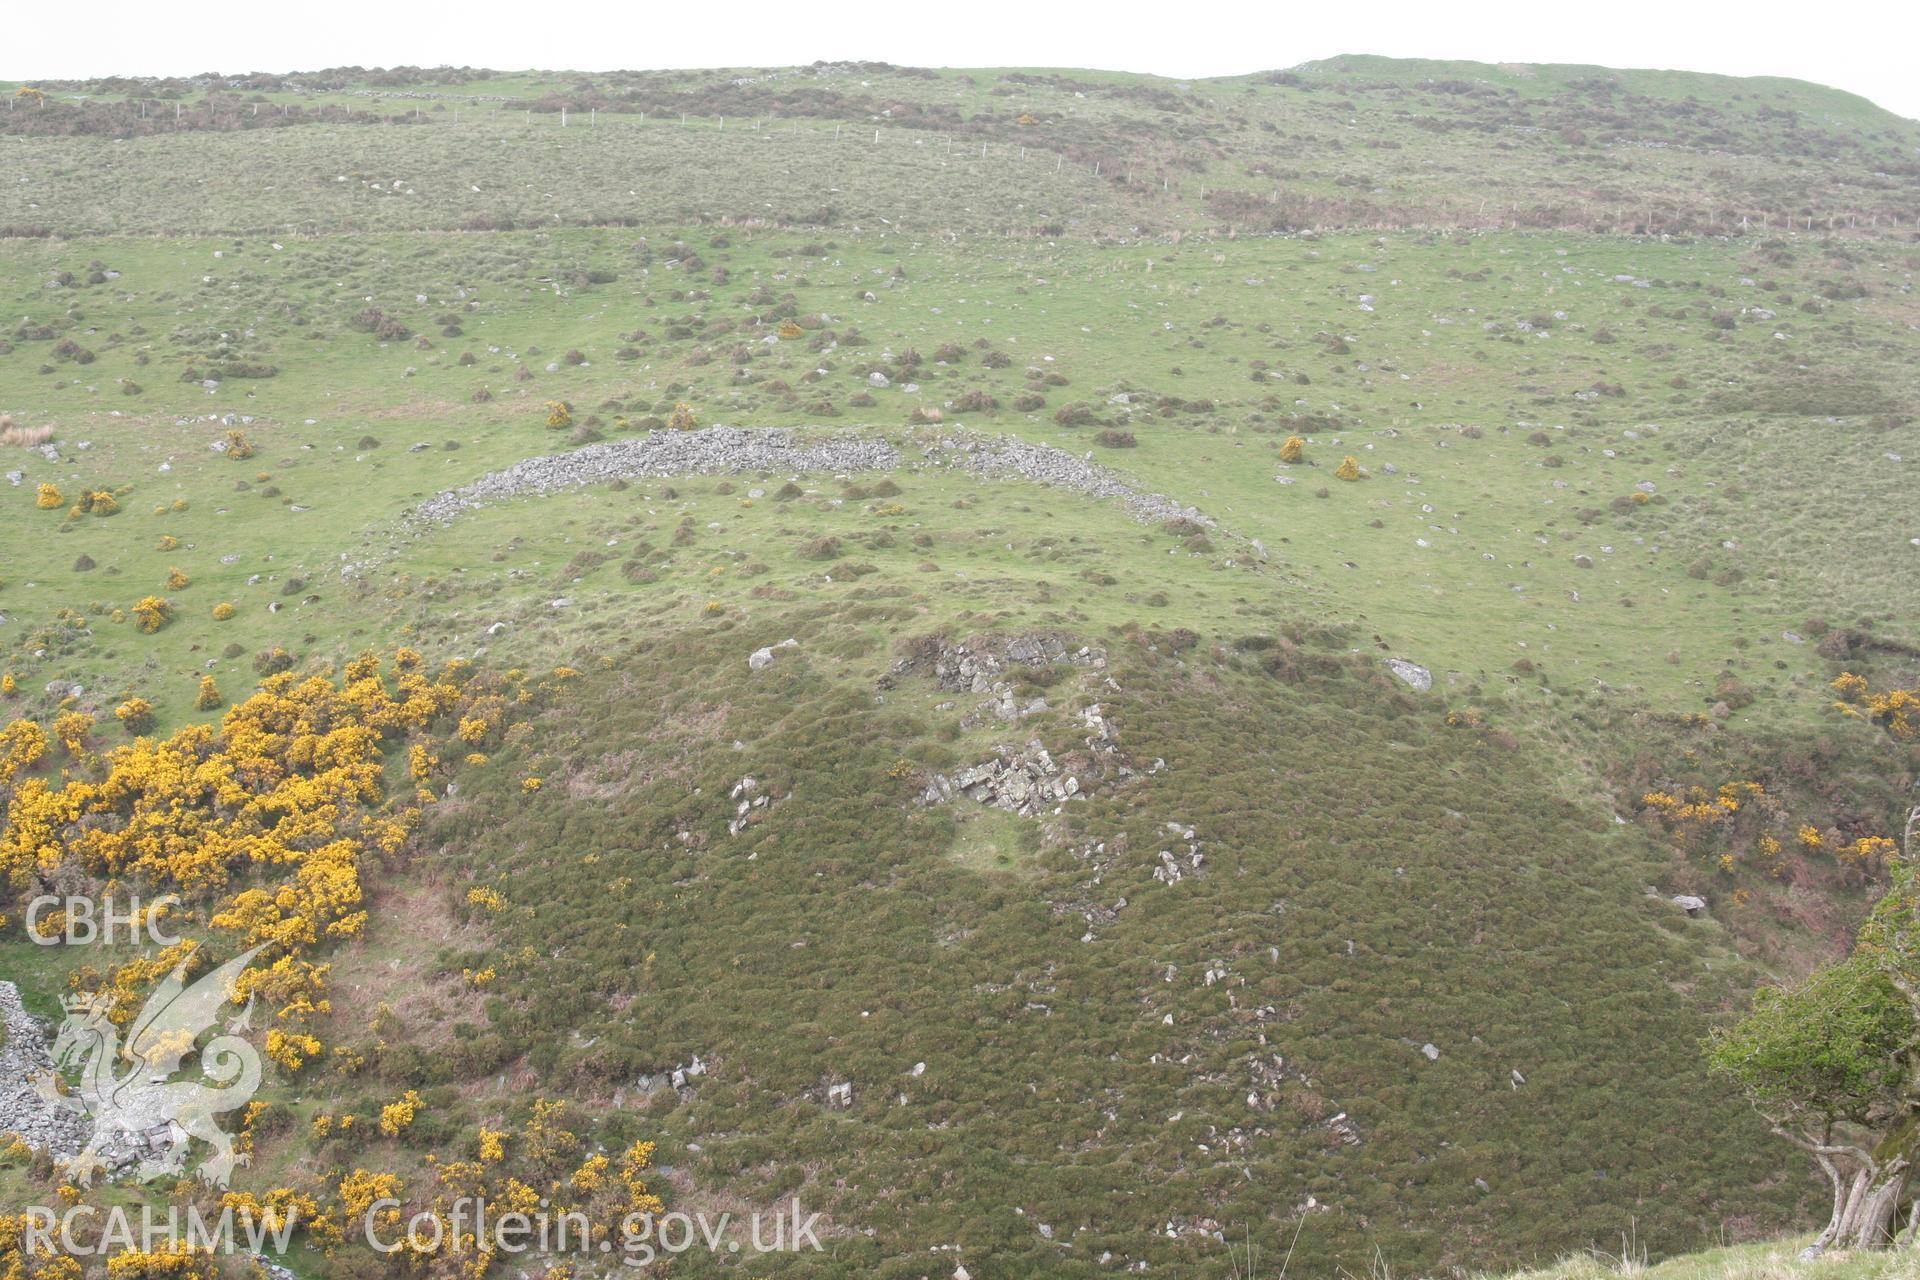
[977, 665]
[24, 1056]
[1023, 782]
[980, 665]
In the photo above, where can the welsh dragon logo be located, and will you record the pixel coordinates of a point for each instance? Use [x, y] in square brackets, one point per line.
[140, 1113]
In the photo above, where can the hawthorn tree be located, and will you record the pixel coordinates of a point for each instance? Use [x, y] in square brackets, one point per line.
[1833, 1064]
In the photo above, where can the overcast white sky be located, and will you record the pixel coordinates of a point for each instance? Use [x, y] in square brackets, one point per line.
[1876, 54]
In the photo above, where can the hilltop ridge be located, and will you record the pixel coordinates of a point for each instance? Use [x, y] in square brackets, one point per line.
[1325, 146]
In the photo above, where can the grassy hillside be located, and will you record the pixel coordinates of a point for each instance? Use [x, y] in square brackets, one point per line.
[1742, 1262]
[1307, 957]
[1349, 143]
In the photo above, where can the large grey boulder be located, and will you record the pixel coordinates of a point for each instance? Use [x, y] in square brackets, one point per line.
[1417, 677]
[760, 659]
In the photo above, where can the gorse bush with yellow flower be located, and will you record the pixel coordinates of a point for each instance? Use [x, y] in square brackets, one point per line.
[136, 714]
[1895, 710]
[266, 821]
[543, 1166]
[397, 1116]
[267, 824]
[18, 1262]
[177, 1261]
[1742, 821]
[152, 613]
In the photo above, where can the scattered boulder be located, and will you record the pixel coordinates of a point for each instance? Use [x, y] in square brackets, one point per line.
[750, 804]
[762, 658]
[1417, 677]
[678, 1078]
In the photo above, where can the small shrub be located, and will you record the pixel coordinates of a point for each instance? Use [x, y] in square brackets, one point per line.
[381, 325]
[135, 715]
[825, 548]
[152, 613]
[223, 611]
[271, 662]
